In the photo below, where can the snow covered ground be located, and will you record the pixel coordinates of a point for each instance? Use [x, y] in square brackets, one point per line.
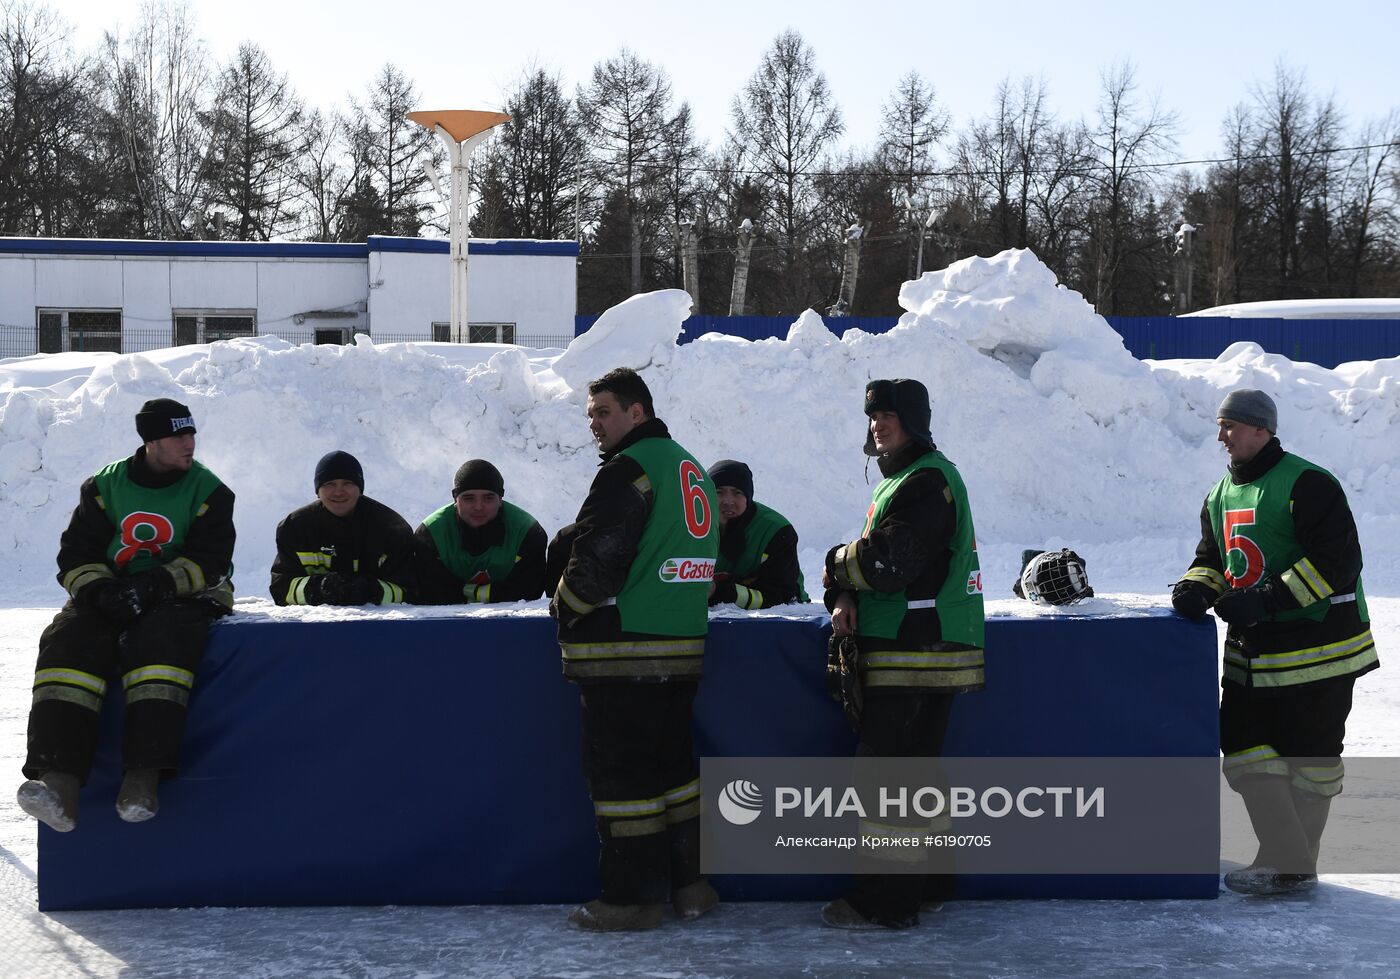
[1063, 438]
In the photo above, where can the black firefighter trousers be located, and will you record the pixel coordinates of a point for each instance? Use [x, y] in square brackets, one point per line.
[640, 766]
[154, 657]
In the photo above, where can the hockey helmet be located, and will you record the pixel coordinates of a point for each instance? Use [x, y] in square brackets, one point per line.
[1053, 578]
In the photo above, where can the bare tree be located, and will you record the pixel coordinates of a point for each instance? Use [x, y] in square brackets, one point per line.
[912, 123]
[784, 122]
[624, 112]
[534, 170]
[387, 148]
[1297, 134]
[157, 95]
[257, 137]
[47, 183]
[1128, 136]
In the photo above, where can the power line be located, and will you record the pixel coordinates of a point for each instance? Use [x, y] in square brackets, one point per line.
[1082, 169]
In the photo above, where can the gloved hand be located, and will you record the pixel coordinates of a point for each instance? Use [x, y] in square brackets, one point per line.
[1244, 606]
[1192, 598]
[121, 600]
[561, 611]
[117, 599]
[341, 589]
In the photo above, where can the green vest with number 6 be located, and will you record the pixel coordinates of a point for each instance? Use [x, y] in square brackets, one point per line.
[667, 589]
[954, 660]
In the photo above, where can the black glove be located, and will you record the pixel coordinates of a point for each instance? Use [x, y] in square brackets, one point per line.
[121, 600]
[1245, 606]
[341, 589]
[843, 678]
[117, 599]
[725, 592]
[1191, 598]
[560, 610]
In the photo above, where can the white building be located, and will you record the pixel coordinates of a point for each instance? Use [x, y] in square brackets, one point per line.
[90, 294]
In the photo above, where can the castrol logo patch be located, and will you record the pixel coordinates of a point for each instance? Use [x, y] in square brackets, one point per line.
[681, 570]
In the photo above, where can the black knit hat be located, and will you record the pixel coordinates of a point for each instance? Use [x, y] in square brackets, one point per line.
[162, 418]
[908, 399]
[339, 465]
[477, 474]
[731, 472]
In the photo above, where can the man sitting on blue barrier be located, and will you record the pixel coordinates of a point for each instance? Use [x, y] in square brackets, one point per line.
[145, 560]
[757, 566]
[344, 548]
[479, 547]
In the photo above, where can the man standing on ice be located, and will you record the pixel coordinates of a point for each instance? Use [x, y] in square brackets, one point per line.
[632, 611]
[344, 548]
[909, 590]
[146, 561]
[1279, 561]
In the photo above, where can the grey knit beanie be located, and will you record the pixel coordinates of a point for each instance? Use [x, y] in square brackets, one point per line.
[1250, 407]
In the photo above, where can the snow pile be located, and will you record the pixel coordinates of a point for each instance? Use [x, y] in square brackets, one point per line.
[1063, 438]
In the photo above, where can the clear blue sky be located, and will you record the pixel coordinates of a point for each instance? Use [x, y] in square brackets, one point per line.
[1200, 57]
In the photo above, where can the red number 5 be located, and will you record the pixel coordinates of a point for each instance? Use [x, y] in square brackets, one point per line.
[694, 502]
[1253, 568]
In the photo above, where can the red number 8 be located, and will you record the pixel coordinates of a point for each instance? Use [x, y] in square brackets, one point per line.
[162, 532]
[694, 502]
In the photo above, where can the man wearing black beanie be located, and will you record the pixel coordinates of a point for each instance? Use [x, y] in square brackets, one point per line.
[145, 561]
[479, 548]
[345, 548]
[757, 566]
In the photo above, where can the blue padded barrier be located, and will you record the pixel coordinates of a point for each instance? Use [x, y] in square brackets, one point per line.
[434, 759]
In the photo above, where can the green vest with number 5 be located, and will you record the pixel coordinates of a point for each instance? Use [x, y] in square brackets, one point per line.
[1253, 523]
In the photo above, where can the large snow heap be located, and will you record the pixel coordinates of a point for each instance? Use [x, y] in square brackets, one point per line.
[1063, 438]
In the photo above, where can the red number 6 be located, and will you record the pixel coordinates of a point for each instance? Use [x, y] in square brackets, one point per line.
[694, 502]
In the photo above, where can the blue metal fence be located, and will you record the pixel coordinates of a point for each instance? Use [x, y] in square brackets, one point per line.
[1323, 342]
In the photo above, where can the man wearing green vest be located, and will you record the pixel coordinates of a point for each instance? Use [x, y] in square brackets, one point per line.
[909, 590]
[344, 548]
[757, 565]
[1279, 560]
[632, 611]
[146, 561]
[479, 548]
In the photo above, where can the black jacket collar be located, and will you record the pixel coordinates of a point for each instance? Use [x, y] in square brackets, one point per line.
[904, 457]
[1264, 460]
[143, 475]
[477, 539]
[734, 535]
[652, 428]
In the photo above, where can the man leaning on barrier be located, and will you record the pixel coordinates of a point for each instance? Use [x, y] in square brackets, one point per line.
[479, 548]
[343, 548]
[1279, 560]
[145, 560]
[909, 590]
[757, 565]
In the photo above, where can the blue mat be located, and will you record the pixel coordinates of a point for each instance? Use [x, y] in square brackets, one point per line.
[435, 760]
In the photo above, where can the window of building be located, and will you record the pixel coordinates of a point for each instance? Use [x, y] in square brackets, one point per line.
[79, 329]
[212, 325]
[442, 332]
[491, 333]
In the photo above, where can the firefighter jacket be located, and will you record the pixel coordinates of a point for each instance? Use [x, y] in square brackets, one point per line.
[1282, 524]
[632, 601]
[757, 566]
[131, 519]
[916, 577]
[501, 561]
[371, 541]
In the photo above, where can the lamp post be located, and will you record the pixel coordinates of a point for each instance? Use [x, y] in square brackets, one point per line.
[461, 131]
